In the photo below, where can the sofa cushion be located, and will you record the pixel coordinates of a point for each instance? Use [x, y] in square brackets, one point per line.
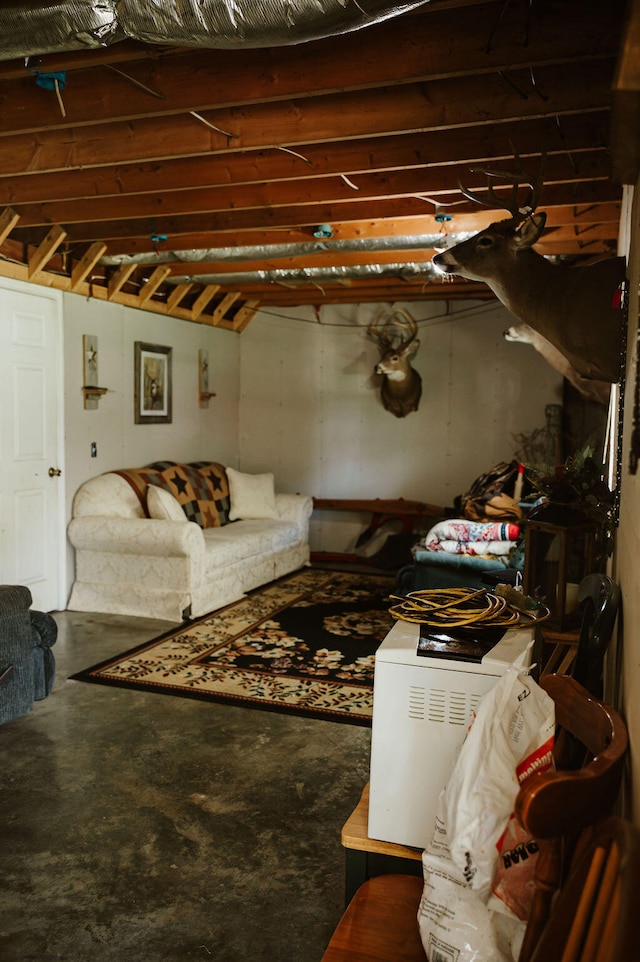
[163, 506]
[252, 496]
[243, 540]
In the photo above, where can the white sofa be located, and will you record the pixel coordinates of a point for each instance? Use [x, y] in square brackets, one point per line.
[132, 564]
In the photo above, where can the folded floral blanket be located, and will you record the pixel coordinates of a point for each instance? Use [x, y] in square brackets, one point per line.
[474, 547]
[460, 536]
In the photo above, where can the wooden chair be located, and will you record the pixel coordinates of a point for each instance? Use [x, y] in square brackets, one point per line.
[380, 924]
[595, 917]
[556, 805]
[580, 653]
[600, 600]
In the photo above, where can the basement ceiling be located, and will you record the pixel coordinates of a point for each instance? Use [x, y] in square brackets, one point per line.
[207, 183]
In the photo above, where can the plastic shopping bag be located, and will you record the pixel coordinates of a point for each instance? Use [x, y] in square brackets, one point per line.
[511, 737]
[478, 868]
[455, 923]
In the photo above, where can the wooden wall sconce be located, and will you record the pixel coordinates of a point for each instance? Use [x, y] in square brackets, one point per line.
[92, 393]
[203, 379]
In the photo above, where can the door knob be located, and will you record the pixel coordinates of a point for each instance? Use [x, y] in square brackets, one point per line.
[54, 472]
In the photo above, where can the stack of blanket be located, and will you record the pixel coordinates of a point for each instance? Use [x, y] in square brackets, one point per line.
[488, 539]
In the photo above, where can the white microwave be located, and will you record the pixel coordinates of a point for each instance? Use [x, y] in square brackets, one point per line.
[422, 708]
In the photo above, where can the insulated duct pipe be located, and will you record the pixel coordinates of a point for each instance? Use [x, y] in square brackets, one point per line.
[28, 29]
[259, 252]
[313, 275]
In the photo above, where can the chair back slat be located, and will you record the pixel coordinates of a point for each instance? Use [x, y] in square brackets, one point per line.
[602, 906]
[554, 806]
[595, 916]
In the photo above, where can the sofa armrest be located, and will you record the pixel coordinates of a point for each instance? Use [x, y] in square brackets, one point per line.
[138, 536]
[44, 629]
[14, 599]
[295, 507]
[16, 652]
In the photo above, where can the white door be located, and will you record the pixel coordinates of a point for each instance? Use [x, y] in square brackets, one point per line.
[31, 479]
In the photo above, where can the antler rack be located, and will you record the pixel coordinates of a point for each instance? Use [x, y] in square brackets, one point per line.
[393, 329]
[517, 179]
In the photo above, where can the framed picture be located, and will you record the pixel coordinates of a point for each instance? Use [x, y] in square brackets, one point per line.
[152, 384]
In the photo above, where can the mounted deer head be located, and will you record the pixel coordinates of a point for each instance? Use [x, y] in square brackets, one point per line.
[571, 307]
[395, 335]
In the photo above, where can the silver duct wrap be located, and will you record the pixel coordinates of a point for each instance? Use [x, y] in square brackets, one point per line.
[303, 249]
[252, 23]
[314, 275]
[28, 29]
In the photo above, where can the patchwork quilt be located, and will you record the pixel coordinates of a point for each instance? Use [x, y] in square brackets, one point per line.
[201, 487]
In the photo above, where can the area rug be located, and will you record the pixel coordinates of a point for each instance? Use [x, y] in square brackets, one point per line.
[304, 645]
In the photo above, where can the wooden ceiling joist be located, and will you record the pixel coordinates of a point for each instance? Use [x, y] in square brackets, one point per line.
[442, 105]
[427, 48]
[227, 302]
[82, 268]
[244, 315]
[261, 147]
[200, 303]
[306, 216]
[45, 251]
[150, 286]
[592, 166]
[8, 220]
[177, 294]
[118, 279]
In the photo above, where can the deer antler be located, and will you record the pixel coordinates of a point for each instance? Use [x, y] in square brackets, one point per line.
[389, 329]
[517, 179]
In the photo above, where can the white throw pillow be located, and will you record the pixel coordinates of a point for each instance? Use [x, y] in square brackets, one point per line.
[162, 505]
[251, 495]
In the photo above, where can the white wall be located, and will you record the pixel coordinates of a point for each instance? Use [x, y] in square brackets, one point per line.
[310, 408]
[297, 396]
[194, 434]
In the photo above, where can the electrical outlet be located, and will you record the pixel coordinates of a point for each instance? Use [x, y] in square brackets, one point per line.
[94, 449]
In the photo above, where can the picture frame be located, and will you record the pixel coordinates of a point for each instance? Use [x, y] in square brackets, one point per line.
[152, 383]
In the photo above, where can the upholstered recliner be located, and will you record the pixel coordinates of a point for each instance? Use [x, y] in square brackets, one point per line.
[27, 665]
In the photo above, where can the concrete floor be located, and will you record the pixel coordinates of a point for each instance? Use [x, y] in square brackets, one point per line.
[146, 827]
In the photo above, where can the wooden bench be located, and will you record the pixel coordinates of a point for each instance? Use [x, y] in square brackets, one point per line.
[380, 923]
[381, 510]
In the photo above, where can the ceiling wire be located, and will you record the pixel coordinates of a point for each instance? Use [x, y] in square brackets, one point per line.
[434, 321]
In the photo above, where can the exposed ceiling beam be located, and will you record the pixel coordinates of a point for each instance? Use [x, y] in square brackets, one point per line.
[173, 149]
[298, 216]
[205, 80]
[441, 105]
[573, 135]
[589, 166]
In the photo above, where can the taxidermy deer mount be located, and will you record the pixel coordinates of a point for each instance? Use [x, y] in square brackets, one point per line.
[395, 334]
[598, 391]
[570, 307]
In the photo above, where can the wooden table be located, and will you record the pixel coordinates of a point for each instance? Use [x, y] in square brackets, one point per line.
[366, 857]
[411, 513]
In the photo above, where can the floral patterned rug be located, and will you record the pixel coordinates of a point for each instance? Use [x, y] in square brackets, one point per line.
[304, 644]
